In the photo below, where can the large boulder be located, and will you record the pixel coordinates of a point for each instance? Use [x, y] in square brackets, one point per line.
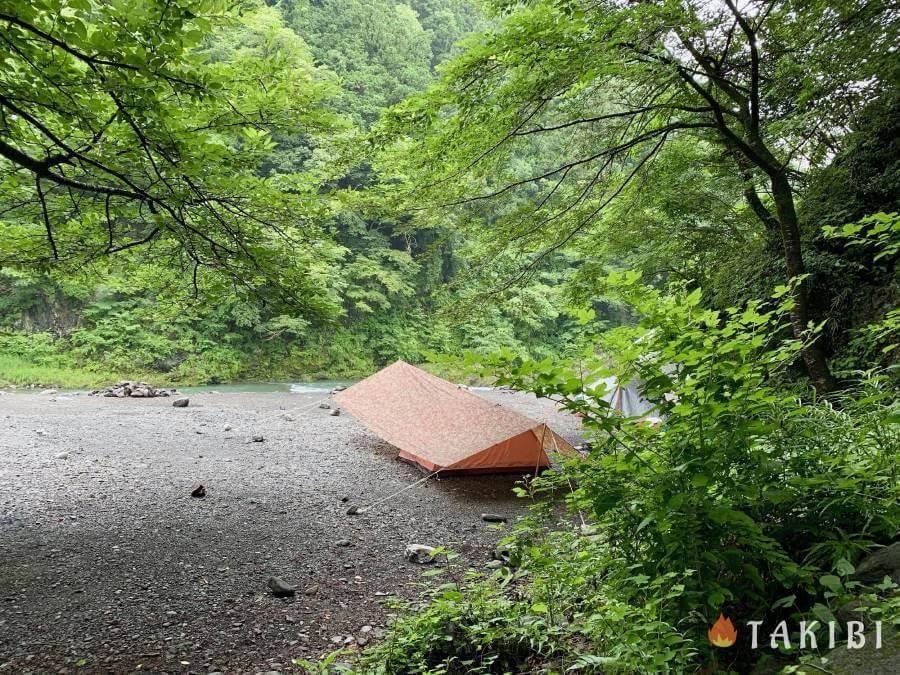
[885, 562]
[865, 661]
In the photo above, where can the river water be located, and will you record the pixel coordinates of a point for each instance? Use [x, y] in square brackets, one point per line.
[311, 387]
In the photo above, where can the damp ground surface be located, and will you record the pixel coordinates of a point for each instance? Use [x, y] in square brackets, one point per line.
[108, 565]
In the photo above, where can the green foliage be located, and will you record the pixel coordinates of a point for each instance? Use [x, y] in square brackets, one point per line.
[880, 231]
[553, 612]
[665, 134]
[248, 268]
[751, 496]
[875, 241]
[382, 51]
[18, 372]
[28, 359]
[142, 125]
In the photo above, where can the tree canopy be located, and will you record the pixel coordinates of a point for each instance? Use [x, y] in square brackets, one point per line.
[140, 124]
[768, 85]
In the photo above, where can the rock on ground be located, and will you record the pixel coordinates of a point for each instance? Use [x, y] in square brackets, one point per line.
[419, 553]
[865, 661]
[129, 389]
[279, 588]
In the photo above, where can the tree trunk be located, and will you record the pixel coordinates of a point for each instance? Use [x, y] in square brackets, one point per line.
[814, 353]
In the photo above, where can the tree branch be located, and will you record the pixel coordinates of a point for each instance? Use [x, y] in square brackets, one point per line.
[750, 32]
[40, 194]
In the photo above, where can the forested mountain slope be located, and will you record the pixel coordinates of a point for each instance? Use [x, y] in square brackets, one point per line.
[378, 284]
[389, 254]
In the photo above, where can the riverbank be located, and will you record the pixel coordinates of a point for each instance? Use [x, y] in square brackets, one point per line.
[20, 374]
[107, 563]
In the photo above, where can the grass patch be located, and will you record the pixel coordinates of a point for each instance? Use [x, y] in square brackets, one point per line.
[19, 372]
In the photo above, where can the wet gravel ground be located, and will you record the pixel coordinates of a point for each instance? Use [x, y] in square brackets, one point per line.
[108, 565]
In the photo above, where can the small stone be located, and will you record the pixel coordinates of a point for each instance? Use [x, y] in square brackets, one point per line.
[199, 491]
[420, 554]
[227, 427]
[180, 403]
[257, 439]
[335, 412]
[345, 499]
[279, 588]
[342, 542]
[353, 510]
[324, 406]
[494, 564]
[503, 552]
[311, 590]
[493, 518]
[62, 455]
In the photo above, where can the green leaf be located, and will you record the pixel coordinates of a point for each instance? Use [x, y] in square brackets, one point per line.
[831, 582]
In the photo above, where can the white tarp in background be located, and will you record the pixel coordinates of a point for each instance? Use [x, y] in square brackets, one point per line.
[627, 400]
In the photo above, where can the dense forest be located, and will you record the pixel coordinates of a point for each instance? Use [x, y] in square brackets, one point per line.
[382, 283]
[698, 196]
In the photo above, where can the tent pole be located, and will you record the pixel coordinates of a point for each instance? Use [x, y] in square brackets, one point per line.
[537, 464]
[569, 480]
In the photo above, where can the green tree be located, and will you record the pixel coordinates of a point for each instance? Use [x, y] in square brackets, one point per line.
[771, 84]
[141, 125]
[379, 50]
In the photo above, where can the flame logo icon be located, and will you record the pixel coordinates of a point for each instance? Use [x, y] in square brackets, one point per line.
[722, 633]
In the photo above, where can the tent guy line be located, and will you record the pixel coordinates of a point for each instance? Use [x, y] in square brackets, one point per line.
[362, 509]
[280, 413]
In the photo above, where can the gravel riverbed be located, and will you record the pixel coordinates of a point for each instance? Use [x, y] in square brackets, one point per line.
[108, 565]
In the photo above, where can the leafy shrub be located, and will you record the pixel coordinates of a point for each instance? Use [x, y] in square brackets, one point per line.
[751, 497]
[35, 348]
[554, 610]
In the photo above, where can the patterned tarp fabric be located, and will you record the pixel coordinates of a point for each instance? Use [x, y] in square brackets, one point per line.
[439, 424]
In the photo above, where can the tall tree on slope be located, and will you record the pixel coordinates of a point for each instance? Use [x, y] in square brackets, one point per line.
[606, 84]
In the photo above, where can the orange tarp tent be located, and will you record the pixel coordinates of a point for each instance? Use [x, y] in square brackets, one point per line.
[442, 426]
